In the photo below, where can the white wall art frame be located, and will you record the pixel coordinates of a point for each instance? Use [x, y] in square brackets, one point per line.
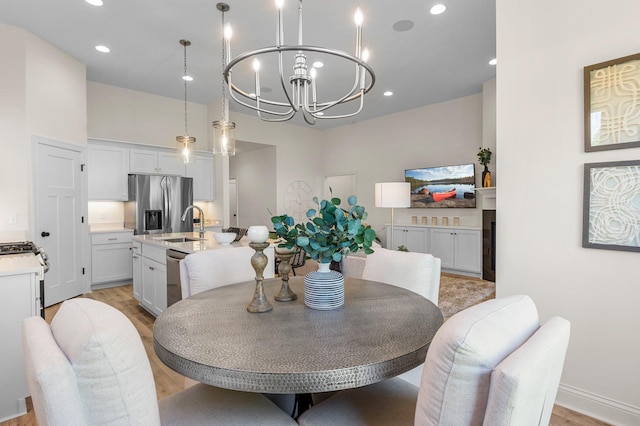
[612, 104]
[611, 215]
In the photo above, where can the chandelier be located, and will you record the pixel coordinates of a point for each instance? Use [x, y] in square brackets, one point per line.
[186, 143]
[300, 89]
[224, 142]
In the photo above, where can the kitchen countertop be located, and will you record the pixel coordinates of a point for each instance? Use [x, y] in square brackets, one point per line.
[16, 264]
[209, 242]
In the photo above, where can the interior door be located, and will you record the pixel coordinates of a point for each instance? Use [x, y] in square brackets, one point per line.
[233, 203]
[58, 217]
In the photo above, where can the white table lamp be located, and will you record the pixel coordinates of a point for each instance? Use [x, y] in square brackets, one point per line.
[393, 195]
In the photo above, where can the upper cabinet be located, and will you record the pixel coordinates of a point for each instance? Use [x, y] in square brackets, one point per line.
[150, 161]
[109, 163]
[201, 170]
[107, 172]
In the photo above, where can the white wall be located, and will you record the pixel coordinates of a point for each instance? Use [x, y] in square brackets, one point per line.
[132, 116]
[379, 150]
[255, 174]
[42, 93]
[542, 48]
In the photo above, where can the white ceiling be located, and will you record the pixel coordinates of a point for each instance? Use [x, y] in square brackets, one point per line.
[442, 57]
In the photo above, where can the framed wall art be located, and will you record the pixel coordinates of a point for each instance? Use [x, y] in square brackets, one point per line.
[611, 215]
[612, 104]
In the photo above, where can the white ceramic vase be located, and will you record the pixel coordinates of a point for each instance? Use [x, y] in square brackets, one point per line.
[258, 233]
[324, 288]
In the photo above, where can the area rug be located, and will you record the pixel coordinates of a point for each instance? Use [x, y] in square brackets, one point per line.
[458, 293]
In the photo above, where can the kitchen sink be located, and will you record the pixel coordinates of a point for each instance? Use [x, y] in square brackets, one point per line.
[179, 239]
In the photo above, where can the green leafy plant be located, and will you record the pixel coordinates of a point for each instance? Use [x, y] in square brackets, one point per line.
[329, 232]
[403, 248]
[484, 156]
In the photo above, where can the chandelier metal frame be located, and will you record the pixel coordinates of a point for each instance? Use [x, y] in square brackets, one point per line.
[302, 95]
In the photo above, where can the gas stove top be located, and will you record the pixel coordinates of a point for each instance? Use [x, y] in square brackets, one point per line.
[18, 248]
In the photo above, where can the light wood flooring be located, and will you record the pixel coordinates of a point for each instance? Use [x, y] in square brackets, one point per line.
[169, 382]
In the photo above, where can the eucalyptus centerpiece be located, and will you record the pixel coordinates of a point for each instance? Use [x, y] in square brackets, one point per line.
[329, 233]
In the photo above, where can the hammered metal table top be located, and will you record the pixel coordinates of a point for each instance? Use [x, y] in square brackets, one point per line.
[380, 332]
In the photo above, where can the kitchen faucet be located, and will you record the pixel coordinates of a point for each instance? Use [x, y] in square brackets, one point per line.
[184, 217]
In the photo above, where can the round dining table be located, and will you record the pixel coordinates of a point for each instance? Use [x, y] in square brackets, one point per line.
[381, 331]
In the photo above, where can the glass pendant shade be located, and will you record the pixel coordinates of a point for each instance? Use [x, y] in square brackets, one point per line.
[224, 140]
[186, 146]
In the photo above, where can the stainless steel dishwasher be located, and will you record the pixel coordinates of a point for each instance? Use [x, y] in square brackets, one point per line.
[174, 289]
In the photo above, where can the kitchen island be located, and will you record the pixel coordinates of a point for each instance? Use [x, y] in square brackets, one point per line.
[149, 255]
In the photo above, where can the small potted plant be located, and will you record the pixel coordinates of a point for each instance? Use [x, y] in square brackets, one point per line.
[484, 157]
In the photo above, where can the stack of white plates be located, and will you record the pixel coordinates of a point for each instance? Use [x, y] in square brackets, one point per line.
[324, 290]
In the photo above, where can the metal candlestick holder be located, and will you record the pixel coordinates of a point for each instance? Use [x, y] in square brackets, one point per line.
[285, 294]
[259, 262]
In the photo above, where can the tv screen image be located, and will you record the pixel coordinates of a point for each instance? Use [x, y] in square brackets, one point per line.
[442, 187]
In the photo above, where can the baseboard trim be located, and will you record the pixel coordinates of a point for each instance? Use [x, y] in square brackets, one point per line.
[599, 407]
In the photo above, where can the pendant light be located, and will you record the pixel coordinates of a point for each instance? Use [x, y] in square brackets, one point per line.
[186, 143]
[224, 142]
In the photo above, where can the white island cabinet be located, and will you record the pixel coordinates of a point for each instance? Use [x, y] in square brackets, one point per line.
[19, 299]
[150, 263]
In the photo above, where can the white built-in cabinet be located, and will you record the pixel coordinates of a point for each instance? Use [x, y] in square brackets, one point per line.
[201, 170]
[110, 163]
[111, 257]
[459, 248]
[151, 161]
[414, 239]
[107, 171]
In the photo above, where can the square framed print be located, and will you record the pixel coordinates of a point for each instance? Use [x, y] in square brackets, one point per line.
[612, 104]
[611, 214]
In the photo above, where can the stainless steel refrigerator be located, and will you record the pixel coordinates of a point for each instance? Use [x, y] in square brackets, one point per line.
[156, 204]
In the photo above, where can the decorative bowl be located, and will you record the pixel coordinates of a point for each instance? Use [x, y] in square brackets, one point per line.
[240, 232]
[224, 238]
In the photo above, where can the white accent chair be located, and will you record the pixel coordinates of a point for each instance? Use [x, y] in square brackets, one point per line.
[90, 368]
[209, 269]
[490, 364]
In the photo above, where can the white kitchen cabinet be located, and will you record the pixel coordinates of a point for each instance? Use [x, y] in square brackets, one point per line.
[202, 172]
[414, 239]
[111, 260]
[460, 250]
[152, 161]
[136, 261]
[107, 170]
[153, 279]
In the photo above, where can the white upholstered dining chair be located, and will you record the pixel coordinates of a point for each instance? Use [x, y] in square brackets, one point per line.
[89, 367]
[418, 272]
[209, 269]
[491, 364]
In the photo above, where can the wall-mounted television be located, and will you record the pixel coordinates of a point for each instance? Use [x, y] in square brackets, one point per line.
[443, 186]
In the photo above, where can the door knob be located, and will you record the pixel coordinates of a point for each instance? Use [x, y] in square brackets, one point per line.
[44, 234]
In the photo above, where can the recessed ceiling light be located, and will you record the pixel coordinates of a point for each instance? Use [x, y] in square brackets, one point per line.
[494, 61]
[388, 93]
[94, 2]
[187, 78]
[438, 9]
[103, 49]
[318, 64]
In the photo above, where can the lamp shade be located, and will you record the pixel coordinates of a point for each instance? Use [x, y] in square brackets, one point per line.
[393, 194]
